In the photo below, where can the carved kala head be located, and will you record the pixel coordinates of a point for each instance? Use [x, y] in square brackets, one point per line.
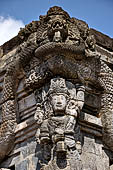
[57, 28]
[55, 33]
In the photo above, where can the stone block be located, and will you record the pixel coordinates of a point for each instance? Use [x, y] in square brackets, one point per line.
[93, 162]
[24, 152]
[22, 165]
[4, 169]
[111, 167]
[89, 144]
[28, 150]
[102, 39]
[92, 119]
[33, 163]
[26, 102]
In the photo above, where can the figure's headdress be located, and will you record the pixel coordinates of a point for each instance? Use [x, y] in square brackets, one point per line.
[58, 85]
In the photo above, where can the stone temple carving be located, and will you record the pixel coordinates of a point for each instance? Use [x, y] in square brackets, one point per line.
[59, 63]
[57, 130]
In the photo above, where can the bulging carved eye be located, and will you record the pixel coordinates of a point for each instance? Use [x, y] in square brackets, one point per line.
[55, 99]
[62, 97]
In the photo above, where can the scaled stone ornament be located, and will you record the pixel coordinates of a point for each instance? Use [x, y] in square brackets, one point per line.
[106, 111]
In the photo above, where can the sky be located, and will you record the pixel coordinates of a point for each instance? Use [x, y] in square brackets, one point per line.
[17, 13]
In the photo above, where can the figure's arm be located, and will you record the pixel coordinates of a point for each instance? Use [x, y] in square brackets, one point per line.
[39, 114]
[80, 97]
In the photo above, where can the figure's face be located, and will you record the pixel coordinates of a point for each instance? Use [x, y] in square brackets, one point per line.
[59, 102]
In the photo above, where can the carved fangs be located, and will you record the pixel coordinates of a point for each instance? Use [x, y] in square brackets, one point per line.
[57, 37]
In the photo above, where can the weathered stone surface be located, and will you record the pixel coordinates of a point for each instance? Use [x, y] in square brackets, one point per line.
[56, 89]
[92, 119]
[10, 45]
[102, 39]
[23, 165]
[4, 169]
[111, 167]
[106, 56]
[93, 155]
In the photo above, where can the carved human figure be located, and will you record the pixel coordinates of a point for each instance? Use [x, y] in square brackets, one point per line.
[63, 102]
[56, 117]
[57, 123]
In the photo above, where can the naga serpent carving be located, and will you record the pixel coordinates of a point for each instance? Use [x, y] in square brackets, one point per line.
[62, 46]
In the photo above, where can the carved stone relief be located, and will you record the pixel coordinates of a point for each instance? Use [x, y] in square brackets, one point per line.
[57, 119]
[59, 63]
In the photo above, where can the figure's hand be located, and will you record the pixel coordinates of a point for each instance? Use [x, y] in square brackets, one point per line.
[59, 131]
[72, 108]
[39, 115]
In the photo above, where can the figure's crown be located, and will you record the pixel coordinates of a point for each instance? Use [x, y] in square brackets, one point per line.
[58, 85]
